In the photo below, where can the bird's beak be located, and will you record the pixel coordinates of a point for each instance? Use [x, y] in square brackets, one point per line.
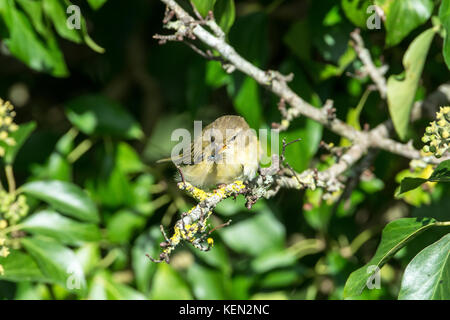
[223, 148]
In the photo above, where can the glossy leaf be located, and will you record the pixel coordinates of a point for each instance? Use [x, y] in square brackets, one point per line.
[25, 44]
[167, 284]
[444, 16]
[224, 12]
[55, 10]
[66, 230]
[204, 6]
[96, 4]
[440, 174]
[403, 16]
[146, 243]
[427, 276]
[65, 197]
[104, 287]
[19, 136]
[401, 92]
[206, 283]
[356, 11]
[255, 235]
[394, 237]
[95, 114]
[247, 102]
[19, 266]
[56, 261]
[122, 226]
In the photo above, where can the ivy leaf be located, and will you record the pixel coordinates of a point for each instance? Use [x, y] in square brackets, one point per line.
[409, 184]
[204, 6]
[25, 44]
[167, 284]
[206, 283]
[52, 224]
[403, 16]
[224, 12]
[427, 276]
[260, 233]
[401, 91]
[104, 287]
[356, 11]
[55, 10]
[95, 114]
[247, 102]
[96, 4]
[394, 237]
[56, 261]
[19, 136]
[65, 197]
[444, 16]
[19, 266]
[440, 174]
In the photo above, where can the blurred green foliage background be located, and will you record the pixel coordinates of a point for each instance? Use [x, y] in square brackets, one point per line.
[103, 119]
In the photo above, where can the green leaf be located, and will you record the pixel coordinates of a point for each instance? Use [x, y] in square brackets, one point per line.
[97, 115]
[65, 230]
[19, 136]
[167, 284]
[103, 287]
[123, 225]
[146, 243]
[96, 4]
[25, 44]
[257, 234]
[224, 12]
[298, 39]
[34, 11]
[215, 76]
[394, 237]
[440, 174]
[247, 102]
[356, 11]
[19, 266]
[273, 260]
[427, 276]
[127, 159]
[55, 10]
[403, 16]
[89, 256]
[217, 257]
[408, 184]
[206, 283]
[57, 167]
[204, 6]
[299, 154]
[401, 92]
[65, 197]
[56, 261]
[444, 16]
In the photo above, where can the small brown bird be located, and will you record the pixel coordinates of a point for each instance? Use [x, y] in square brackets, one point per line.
[227, 150]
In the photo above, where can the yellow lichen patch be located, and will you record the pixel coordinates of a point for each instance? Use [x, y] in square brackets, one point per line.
[194, 232]
[196, 193]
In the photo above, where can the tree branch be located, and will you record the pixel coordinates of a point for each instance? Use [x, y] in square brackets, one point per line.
[193, 224]
[377, 138]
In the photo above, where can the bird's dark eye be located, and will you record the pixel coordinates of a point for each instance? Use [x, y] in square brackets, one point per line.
[213, 138]
[233, 137]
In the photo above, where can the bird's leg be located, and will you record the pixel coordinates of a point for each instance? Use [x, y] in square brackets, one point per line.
[181, 175]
